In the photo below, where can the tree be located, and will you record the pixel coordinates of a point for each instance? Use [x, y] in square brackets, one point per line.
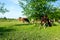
[36, 8]
[56, 14]
[2, 8]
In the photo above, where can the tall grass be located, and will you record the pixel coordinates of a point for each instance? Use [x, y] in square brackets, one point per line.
[15, 30]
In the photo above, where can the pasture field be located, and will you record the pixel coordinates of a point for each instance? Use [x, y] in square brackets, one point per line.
[14, 30]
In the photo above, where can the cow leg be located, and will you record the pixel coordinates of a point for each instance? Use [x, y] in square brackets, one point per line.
[49, 24]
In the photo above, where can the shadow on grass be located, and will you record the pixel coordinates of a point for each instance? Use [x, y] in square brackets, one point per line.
[21, 24]
[4, 30]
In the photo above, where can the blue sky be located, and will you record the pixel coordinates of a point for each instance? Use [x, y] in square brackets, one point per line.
[57, 3]
[15, 9]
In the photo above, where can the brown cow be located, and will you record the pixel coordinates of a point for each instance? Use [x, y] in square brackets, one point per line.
[24, 19]
[45, 21]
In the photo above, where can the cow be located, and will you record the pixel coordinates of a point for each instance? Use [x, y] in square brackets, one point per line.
[24, 20]
[45, 21]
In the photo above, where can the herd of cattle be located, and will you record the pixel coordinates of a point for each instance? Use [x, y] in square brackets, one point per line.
[44, 21]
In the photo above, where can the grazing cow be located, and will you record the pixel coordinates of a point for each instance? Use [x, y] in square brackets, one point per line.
[45, 21]
[24, 19]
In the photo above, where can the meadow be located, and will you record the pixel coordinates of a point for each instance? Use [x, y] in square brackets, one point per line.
[15, 30]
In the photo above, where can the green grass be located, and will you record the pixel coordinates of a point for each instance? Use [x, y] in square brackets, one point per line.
[14, 30]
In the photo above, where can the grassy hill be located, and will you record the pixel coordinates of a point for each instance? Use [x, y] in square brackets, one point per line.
[15, 30]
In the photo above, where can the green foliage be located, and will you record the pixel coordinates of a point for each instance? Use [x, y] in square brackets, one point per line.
[2, 8]
[36, 8]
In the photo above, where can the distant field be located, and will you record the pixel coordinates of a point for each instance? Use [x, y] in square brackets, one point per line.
[15, 30]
